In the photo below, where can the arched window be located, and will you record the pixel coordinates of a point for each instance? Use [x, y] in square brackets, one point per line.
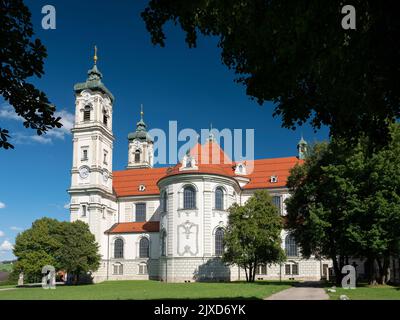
[189, 198]
[290, 246]
[219, 242]
[164, 243]
[86, 113]
[144, 248]
[137, 156]
[219, 199]
[118, 248]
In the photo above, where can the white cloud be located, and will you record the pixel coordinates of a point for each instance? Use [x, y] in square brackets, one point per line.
[66, 206]
[67, 120]
[8, 112]
[2, 234]
[13, 228]
[2, 205]
[6, 246]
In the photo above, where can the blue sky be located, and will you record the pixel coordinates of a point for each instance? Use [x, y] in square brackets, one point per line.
[190, 86]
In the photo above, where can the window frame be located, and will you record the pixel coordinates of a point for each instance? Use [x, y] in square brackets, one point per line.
[219, 241]
[87, 114]
[189, 203]
[219, 203]
[143, 268]
[137, 213]
[137, 156]
[147, 253]
[291, 246]
[277, 205]
[121, 249]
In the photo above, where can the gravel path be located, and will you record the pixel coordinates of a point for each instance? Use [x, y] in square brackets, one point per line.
[302, 291]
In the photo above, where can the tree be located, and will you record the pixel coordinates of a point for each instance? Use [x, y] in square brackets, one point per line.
[79, 253]
[37, 247]
[253, 234]
[345, 203]
[68, 246]
[296, 54]
[21, 58]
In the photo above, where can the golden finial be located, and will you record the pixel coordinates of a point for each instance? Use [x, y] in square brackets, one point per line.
[141, 111]
[95, 54]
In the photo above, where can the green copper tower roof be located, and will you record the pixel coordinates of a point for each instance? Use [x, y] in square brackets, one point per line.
[93, 81]
[141, 132]
[302, 148]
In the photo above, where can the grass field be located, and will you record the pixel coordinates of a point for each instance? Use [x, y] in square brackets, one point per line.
[151, 290]
[366, 292]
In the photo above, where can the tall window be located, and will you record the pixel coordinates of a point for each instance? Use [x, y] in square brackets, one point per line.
[290, 246]
[84, 211]
[219, 199]
[287, 269]
[105, 118]
[144, 245]
[276, 200]
[140, 212]
[118, 248]
[295, 269]
[137, 156]
[164, 202]
[84, 154]
[86, 113]
[164, 243]
[189, 198]
[219, 242]
[105, 157]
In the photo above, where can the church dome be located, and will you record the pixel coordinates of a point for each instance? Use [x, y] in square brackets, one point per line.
[141, 133]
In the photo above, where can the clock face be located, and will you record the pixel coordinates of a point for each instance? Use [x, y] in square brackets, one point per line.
[83, 172]
[105, 176]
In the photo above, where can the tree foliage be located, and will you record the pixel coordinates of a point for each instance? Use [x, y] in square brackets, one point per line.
[296, 54]
[21, 57]
[66, 246]
[346, 203]
[79, 253]
[253, 234]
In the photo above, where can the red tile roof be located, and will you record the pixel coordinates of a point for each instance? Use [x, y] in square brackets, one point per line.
[265, 168]
[135, 227]
[127, 182]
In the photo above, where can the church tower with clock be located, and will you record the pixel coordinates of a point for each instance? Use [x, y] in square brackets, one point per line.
[92, 198]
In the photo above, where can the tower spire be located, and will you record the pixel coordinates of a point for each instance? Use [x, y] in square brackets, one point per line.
[95, 55]
[141, 111]
[211, 135]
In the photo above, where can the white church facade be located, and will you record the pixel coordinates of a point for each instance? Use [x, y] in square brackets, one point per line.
[167, 223]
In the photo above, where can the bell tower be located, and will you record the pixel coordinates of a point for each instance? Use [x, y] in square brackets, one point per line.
[140, 148]
[302, 148]
[92, 198]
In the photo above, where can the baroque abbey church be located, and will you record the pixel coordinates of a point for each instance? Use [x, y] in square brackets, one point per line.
[167, 223]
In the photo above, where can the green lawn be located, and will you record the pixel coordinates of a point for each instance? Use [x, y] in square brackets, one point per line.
[151, 290]
[366, 292]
